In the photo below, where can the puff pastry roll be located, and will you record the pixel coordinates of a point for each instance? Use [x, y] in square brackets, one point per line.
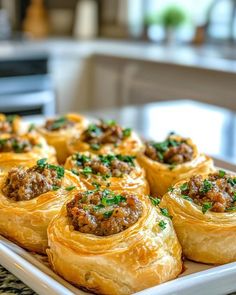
[30, 198]
[23, 150]
[116, 172]
[106, 137]
[58, 131]
[113, 243]
[204, 216]
[169, 161]
[10, 124]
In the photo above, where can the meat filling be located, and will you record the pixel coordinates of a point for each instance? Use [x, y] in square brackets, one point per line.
[216, 193]
[170, 151]
[25, 184]
[104, 165]
[103, 133]
[103, 213]
[58, 124]
[15, 144]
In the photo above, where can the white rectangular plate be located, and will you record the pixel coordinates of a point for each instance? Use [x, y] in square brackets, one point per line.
[34, 271]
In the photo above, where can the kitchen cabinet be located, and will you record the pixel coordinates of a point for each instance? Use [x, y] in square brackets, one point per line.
[120, 81]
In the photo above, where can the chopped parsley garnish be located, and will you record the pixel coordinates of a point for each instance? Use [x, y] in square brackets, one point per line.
[165, 212]
[87, 170]
[81, 159]
[155, 201]
[108, 214]
[184, 187]
[42, 163]
[107, 159]
[171, 189]
[162, 224]
[222, 173]
[234, 197]
[187, 198]
[96, 185]
[126, 132]
[231, 208]
[206, 206]
[207, 185]
[94, 130]
[10, 118]
[98, 207]
[231, 181]
[74, 172]
[114, 200]
[110, 122]
[56, 187]
[31, 127]
[95, 146]
[59, 123]
[70, 188]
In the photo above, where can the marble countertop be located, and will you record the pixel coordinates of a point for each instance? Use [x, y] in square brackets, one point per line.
[213, 57]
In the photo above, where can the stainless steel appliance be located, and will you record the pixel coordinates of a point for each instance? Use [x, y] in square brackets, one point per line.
[26, 87]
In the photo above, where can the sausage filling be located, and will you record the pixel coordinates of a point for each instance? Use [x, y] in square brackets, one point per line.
[58, 124]
[216, 193]
[104, 132]
[25, 184]
[16, 144]
[103, 165]
[103, 213]
[170, 151]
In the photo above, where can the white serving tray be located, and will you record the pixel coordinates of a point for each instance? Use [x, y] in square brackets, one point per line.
[34, 271]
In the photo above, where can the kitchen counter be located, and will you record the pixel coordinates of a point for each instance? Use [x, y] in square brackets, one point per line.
[218, 58]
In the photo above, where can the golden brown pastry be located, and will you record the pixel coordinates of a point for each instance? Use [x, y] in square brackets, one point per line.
[10, 124]
[169, 161]
[204, 216]
[106, 137]
[116, 172]
[23, 150]
[113, 243]
[30, 198]
[58, 131]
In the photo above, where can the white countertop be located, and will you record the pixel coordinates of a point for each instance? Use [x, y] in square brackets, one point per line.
[212, 57]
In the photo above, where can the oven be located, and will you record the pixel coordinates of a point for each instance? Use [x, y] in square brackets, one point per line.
[26, 87]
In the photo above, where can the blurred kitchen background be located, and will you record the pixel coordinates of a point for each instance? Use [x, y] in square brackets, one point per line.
[58, 56]
[85, 54]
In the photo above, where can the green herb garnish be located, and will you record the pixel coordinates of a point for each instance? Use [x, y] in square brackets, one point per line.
[70, 188]
[162, 224]
[31, 127]
[10, 118]
[171, 189]
[59, 123]
[231, 208]
[95, 146]
[165, 212]
[184, 187]
[222, 173]
[94, 130]
[207, 185]
[126, 132]
[187, 198]
[206, 206]
[108, 214]
[55, 187]
[155, 201]
[231, 181]
[87, 170]
[42, 163]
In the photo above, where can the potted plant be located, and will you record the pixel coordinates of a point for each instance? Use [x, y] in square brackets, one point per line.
[171, 18]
